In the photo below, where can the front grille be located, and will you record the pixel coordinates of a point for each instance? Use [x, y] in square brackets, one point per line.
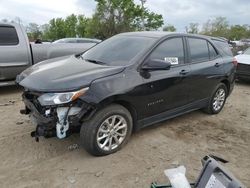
[33, 98]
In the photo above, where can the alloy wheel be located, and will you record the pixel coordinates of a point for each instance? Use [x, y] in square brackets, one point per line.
[219, 99]
[112, 132]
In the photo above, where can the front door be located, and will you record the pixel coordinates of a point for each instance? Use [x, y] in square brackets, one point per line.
[166, 89]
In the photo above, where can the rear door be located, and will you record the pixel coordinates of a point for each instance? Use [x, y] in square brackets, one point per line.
[14, 52]
[206, 68]
[166, 89]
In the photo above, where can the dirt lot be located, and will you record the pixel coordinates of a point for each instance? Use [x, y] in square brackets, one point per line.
[180, 141]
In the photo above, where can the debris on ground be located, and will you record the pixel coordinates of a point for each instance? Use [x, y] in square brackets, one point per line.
[136, 179]
[10, 102]
[98, 174]
[73, 147]
[175, 163]
[71, 179]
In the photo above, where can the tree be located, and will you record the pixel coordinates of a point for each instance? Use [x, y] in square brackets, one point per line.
[192, 28]
[55, 29]
[45, 32]
[112, 17]
[218, 27]
[82, 25]
[238, 32]
[169, 27]
[70, 25]
[33, 31]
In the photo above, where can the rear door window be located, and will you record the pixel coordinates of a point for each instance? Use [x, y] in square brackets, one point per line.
[8, 36]
[171, 50]
[223, 46]
[198, 50]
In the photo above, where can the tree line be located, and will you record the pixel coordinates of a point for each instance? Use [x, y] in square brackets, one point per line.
[217, 27]
[112, 17]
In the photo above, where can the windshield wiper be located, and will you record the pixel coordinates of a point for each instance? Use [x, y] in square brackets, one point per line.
[79, 55]
[95, 61]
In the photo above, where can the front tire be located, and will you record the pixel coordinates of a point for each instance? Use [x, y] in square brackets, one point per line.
[217, 100]
[107, 131]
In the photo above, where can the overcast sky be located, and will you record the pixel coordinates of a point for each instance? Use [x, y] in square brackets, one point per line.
[176, 12]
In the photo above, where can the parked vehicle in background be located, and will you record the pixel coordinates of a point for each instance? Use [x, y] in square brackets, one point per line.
[17, 54]
[125, 83]
[243, 68]
[245, 42]
[237, 43]
[77, 40]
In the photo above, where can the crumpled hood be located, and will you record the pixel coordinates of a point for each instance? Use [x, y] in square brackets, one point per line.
[63, 74]
[243, 59]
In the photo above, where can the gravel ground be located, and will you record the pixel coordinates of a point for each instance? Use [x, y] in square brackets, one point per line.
[181, 141]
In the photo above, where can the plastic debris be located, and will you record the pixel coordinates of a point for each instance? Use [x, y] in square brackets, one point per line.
[19, 122]
[98, 174]
[71, 179]
[73, 147]
[177, 177]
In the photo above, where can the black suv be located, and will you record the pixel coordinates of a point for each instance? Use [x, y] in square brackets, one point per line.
[127, 82]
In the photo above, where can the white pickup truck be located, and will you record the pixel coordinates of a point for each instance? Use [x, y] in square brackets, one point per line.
[16, 52]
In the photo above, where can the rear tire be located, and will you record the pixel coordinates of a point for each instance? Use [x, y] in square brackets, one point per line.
[107, 131]
[217, 100]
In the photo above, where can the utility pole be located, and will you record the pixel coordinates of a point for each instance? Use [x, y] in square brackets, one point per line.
[142, 6]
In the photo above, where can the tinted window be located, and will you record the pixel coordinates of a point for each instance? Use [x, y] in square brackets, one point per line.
[170, 49]
[212, 51]
[70, 41]
[86, 41]
[198, 50]
[8, 35]
[223, 46]
[82, 41]
[118, 50]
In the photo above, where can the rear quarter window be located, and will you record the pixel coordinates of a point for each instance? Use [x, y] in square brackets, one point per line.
[223, 46]
[8, 36]
[212, 52]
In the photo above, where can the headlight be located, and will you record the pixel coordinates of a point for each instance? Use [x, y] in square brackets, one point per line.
[60, 98]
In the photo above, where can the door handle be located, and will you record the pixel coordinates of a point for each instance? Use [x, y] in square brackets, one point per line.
[216, 64]
[184, 72]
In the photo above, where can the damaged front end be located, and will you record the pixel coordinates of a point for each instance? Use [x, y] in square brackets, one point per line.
[56, 114]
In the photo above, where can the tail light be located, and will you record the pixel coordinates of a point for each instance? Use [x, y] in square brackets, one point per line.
[235, 62]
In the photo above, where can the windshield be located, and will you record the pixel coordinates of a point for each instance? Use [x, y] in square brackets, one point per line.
[118, 50]
[247, 51]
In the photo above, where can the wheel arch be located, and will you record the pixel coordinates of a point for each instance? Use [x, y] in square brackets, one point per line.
[227, 83]
[126, 104]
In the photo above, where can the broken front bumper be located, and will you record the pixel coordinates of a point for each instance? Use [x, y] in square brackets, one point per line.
[59, 120]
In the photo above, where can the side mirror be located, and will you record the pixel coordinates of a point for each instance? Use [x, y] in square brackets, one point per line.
[156, 64]
[240, 52]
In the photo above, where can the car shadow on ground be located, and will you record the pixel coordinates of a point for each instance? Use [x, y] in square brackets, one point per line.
[5, 90]
[243, 82]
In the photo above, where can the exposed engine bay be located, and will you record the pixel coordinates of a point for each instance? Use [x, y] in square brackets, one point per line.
[54, 120]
